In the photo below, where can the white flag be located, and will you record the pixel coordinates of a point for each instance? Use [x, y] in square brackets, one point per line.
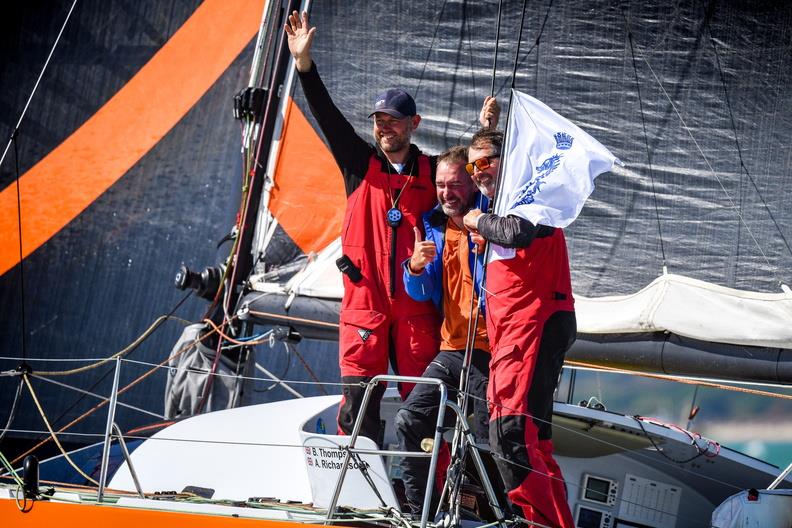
[549, 165]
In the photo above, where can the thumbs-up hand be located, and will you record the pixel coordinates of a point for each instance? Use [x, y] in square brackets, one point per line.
[424, 252]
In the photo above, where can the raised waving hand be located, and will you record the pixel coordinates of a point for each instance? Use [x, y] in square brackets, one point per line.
[300, 36]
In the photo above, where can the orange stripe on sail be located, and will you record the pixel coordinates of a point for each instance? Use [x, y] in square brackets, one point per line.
[308, 198]
[65, 182]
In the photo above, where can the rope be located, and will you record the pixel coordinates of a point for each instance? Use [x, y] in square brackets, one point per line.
[12, 414]
[255, 378]
[309, 370]
[677, 379]
[121, 353]
[103, 403]
[10, 469]
[705, 452]
[614, 446]
[241, 342]
[52, 433]
[291, 318]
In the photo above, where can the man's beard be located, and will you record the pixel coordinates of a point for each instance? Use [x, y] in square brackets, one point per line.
[396, 144]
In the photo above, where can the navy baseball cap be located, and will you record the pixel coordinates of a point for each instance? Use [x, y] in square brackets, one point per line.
[395, 102]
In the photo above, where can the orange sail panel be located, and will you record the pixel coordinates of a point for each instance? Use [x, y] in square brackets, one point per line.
[65, 182]
[308, 198]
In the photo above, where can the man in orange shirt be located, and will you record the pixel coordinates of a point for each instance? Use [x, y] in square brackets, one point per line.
[441, 269]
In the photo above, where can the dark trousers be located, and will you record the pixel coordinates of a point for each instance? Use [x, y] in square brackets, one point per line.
[417, 417]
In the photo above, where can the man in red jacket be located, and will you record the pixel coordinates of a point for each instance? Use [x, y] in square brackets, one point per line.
[531, 325]
[388, 186]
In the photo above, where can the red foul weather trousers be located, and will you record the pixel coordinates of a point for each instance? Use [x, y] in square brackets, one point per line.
[531, 324]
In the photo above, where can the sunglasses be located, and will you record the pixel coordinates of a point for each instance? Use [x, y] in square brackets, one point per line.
[480, 164]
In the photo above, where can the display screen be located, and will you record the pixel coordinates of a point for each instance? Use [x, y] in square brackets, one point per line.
[588, 518]
[597, 489]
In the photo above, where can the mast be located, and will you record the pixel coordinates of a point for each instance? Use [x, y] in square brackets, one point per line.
[274, 74]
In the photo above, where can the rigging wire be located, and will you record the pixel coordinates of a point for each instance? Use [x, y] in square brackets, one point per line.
[124, 352]
[431, 47]
[250, 175]
[13, 139]
[468, 29]
[464, 379]
[706, 160]
[616, 446]
[637, 453]
[497, 43]
[97, 396]
[52, 433]
[278, 380]
[38, 81]
[127, 387]
[680, 379]
[22, 329]
[621, 449]
[522, 61]
[646, 143]
[534, 46]
[737, 142]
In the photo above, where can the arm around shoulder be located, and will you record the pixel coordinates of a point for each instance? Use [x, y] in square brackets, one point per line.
[510, 231]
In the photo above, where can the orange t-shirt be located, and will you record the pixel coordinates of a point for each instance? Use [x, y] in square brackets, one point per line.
[457, 289]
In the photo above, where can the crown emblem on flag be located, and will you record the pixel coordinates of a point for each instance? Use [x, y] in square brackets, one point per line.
[563, 140]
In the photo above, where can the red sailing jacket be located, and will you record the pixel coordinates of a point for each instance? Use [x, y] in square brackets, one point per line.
[366, 237]
[529, 287]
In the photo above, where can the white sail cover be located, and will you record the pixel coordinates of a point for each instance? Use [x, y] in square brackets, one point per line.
[695, 309]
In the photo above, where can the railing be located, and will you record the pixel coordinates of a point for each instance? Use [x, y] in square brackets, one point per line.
[466, 433]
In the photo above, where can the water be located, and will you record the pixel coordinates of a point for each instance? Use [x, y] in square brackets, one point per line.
[778, 453]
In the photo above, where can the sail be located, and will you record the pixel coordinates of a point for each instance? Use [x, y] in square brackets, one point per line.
[128, 167]
[694, 99]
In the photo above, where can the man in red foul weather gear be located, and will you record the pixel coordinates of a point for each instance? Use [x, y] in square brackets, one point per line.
[531, 325]
[388, 186]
